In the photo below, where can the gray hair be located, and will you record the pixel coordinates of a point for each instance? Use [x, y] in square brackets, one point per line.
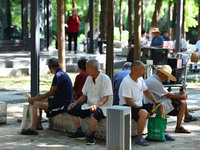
[136, 64]
[53, 62]
[126, 65]
[94, 63]
[74, 9]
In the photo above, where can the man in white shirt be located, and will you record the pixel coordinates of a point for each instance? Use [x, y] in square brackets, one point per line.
[131, 92]
[174, 104]
[97, 94]
[184, 47]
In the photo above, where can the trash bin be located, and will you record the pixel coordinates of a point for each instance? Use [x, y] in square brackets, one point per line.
[118, 128]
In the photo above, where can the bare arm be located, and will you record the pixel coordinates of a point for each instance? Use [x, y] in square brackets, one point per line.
[81, 100]
[102, 102]
[130, 103]
[150, 96]
[160, 46]
[176, 96]
[43, 96]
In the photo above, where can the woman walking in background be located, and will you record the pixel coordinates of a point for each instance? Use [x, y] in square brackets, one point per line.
[73, 29]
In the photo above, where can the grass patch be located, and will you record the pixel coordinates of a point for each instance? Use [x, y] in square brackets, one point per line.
[23, 82]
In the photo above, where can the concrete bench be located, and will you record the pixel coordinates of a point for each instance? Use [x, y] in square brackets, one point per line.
[3, 112]
[63, 123]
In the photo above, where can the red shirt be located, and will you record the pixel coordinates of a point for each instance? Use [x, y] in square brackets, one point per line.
[78, 85]
[73, 25]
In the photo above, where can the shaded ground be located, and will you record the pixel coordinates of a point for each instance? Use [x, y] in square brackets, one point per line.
[48, 139]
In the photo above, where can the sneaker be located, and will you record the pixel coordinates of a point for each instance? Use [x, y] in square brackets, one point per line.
[77, 136]
[91, 140]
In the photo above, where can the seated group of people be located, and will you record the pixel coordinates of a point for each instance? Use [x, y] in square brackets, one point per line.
[143, 96]
[94, 94]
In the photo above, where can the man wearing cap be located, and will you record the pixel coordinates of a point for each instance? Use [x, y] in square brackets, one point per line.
[157, 40]
[174, 104]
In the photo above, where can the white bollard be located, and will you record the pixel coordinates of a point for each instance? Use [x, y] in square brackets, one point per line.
[118, 128]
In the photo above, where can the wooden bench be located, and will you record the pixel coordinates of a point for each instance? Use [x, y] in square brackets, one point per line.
[63, 123]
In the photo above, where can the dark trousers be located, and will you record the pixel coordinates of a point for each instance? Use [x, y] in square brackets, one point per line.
[70, 36]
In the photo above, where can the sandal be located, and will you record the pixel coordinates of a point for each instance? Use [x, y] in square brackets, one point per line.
[40, 128]
[191, 118]
[142, 142]
[169, 137]
[29, 132]
[182, 130]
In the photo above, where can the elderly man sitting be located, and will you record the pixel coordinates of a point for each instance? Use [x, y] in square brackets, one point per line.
[174, 104]
[97, 93]
[131, 93]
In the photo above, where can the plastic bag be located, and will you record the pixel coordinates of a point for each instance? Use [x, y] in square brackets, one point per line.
[156, 127]
[27, 115]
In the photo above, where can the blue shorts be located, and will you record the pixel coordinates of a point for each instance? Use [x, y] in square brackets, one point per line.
[78, 112]
[176, 104]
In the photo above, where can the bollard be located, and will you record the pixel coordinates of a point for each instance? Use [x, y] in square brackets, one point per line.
[118, 128]
[3, 112]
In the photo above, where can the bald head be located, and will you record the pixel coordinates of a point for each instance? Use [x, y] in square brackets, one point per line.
[126, 65]
[136, 64]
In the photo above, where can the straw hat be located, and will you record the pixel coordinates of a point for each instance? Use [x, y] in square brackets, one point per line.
[167, 70]
[156, 30]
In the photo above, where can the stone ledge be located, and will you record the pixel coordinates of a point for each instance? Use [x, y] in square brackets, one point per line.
[63, 123]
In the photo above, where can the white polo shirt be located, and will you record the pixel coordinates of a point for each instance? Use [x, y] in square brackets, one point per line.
[131, 89]
[96, 92]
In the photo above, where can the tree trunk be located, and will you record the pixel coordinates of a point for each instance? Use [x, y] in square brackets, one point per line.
[103, 19]
[169, 18]
[110, 36]
[120, 19]
[142, 15]
[65, 2]
[61, 33]
[183, 23]
[156, 13]
[199, 24]
[73, 3]
[130, 17]
[137, 30]
[113, 13]
[174, 21]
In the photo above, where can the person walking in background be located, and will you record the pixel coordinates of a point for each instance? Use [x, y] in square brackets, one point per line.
[73, 29]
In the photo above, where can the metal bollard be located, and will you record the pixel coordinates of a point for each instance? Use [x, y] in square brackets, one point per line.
[118, 128]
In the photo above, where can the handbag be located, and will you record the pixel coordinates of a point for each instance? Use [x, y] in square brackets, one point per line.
[156, 127]
[27, 117]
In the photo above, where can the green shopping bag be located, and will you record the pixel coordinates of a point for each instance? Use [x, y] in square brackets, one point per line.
[156, 127]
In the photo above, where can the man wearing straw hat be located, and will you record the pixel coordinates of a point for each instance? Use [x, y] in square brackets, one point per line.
[174, 104]
[157, 40]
